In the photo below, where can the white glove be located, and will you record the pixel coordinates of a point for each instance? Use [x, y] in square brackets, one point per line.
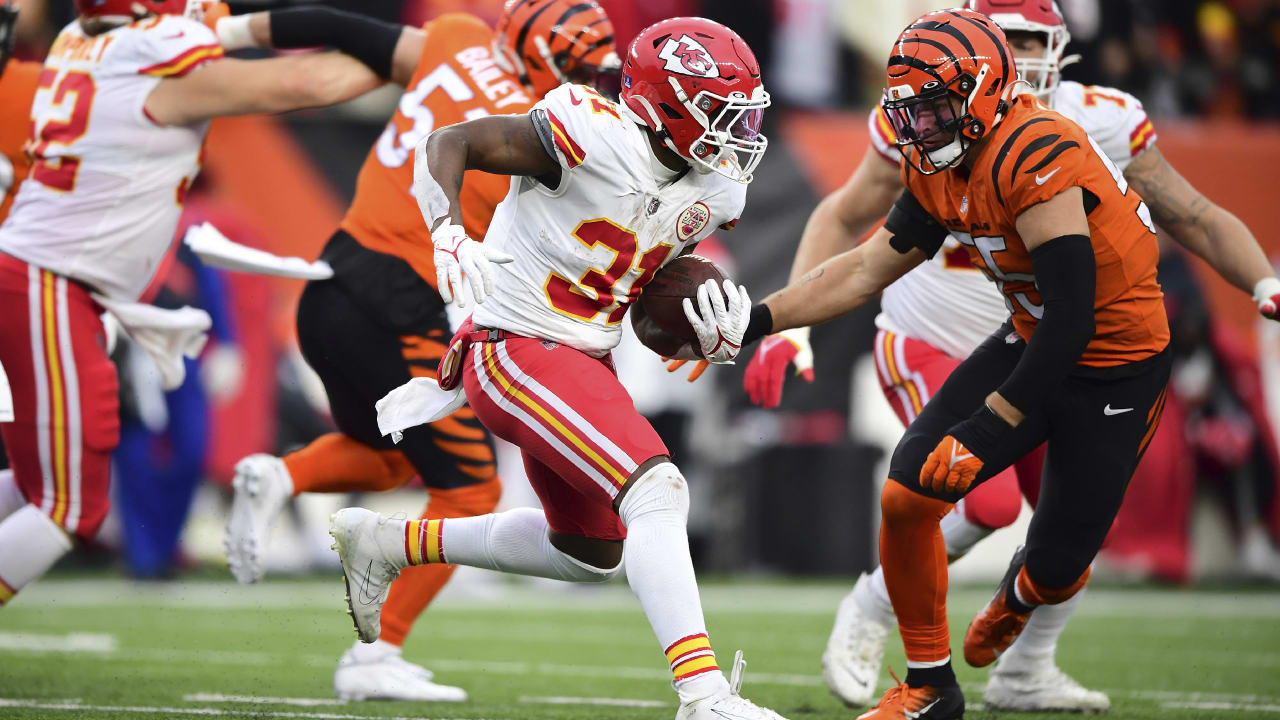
[1267, 294]
[721, 320]
[456, 255]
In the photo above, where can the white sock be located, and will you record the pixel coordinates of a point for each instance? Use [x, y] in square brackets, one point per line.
[1039, 639]
[373, 652]
[959, 534]
[30, 543]
[660, 571]
[873, 599]
[515, 541]
[10, 496]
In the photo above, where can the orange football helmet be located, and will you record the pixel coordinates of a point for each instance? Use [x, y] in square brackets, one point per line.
[547, 43]
[950, 77]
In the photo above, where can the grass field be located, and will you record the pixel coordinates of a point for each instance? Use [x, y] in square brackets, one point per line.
[104, 648]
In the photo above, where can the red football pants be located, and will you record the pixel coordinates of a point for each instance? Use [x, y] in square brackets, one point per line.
[65, 395]
[910, 371]
[577, 428]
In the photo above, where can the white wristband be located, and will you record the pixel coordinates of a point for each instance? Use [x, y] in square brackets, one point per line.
[1266, 289]
[234, 33]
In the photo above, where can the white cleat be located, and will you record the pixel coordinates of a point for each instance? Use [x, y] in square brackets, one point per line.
[1046, 689]
[851, 663]
[262, 487]
[390, 677]
[727, 705]
[371, 548]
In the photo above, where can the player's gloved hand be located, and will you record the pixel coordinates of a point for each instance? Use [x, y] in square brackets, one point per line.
[694, 374]
[213, 12]
[953, 465]
[720, 320]
[768, 367]
[1267, 294]
[457, 255]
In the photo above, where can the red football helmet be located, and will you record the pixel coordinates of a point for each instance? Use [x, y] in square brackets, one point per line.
[696, 84]
[1033, 16]
[950, 78]
[547, 43]
[126, 11]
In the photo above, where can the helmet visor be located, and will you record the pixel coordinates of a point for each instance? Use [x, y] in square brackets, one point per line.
[927, 120]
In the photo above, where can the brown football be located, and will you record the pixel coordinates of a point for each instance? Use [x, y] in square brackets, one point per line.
[679, 279]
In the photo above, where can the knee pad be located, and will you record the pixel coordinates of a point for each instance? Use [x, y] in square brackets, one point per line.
[900, 504]
[479, 499]
[660, 490]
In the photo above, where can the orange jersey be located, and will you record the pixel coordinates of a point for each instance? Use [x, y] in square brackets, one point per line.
[1033, 155]
[17, 89]
[456, 80]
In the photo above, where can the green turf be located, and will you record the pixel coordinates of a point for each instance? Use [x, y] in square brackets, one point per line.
[1161, 654]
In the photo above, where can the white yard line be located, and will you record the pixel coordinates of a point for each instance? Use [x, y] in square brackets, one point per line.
[1241, 707]
[214, 712]
[300, 702]
[74, 642]
[611, 702]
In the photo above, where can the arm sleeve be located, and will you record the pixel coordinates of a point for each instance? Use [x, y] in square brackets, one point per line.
[372, 42]
[545, 134]
[1066, 274]
[913, 227]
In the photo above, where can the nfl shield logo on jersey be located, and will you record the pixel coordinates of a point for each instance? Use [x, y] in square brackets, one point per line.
[964, 205]
[692, 221]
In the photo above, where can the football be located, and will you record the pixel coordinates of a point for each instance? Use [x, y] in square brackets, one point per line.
[663, 296]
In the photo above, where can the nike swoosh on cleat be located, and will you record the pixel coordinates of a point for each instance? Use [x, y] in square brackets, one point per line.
[1108, 410]
[729, 716]
[919, 713]
[365, 597]
[1042, 179]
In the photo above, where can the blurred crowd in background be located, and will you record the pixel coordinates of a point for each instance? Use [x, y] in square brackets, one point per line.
[813, 465]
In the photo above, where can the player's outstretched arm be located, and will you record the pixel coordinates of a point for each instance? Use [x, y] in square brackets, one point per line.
[840, 284]
[246, 87]
[389, 49]
[1202, 227]
[844, 216]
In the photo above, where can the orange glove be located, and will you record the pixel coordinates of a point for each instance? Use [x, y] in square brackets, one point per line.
[953, 466]
[213, 12]
[694, 374]
[950, 468]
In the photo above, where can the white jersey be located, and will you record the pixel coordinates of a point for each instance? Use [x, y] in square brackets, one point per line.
[946, 301]
[107, 184]
[584, 251]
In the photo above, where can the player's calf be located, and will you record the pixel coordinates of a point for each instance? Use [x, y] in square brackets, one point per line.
[30, 543]
[1003, 619]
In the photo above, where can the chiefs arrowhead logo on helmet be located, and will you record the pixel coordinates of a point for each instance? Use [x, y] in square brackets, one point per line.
[688, 57]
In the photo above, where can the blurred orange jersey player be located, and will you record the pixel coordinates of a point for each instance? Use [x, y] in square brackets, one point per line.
[380, 321]
[18, 81]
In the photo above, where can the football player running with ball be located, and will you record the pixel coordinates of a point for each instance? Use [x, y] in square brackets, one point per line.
[938, 313]
[118, 124]
[603, 195]
[1081, 364]
[380, 321]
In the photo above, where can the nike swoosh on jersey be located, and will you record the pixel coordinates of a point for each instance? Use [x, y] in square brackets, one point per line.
[176, 35]
[574, 98]
[1042, 179]
[1108, 410]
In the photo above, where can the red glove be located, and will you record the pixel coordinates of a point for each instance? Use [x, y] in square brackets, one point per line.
[1267, 294]
[768, 367]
